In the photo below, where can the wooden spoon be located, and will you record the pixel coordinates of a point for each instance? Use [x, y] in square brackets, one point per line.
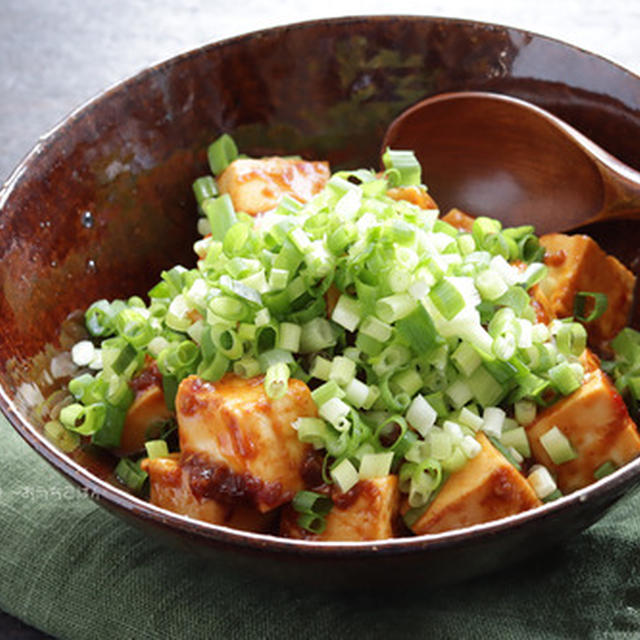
[493, 155]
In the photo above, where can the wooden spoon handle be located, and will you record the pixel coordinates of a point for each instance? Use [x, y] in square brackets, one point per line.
[621, 186]
[620, 183]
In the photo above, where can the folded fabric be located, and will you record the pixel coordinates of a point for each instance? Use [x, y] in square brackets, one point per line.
[73, 570]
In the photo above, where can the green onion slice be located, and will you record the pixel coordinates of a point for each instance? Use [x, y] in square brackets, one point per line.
[596, 303]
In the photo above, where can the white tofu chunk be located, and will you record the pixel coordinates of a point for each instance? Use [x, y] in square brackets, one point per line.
[147, 412]
[487, 488]
[576, 263]
[459, 219]
[170, 490]
[367, 512]
[415, 195]
[596, 422]
[239, 445]
[258, 185]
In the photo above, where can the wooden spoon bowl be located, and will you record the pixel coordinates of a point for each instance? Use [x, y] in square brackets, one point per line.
[498, 156]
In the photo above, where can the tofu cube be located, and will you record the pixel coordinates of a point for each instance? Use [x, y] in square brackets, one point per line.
[576, 263]
[415, 195]
[596, 422]
[541, 305]
[367, 512]
[258, 185]
[170, 490]
[459, 219]
[238, 444]
[487, 488]
[147, 412]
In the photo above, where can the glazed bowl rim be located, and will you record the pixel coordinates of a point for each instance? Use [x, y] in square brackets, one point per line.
[110, 494]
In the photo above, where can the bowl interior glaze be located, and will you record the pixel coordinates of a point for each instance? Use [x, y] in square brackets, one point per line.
[104, 202]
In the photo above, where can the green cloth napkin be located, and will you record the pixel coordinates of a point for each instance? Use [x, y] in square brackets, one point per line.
[73, 570]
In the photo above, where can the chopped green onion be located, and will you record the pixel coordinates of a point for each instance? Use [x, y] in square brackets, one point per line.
[343, 370]
[466, 359]
[99, 319]
[541, 481]
[204, 187]
[493, 419]
[571, 339]
[312, 523]
[344, 475]
[455, 461]
[508, 453]
[214, 369]
[470, 447]
[83, 420]
[222, 153]
[604, 470]
[156, 449]
[375, 328]
[470, 419]
[246, 367]
[597, 302]
[335, 412]
[375, 465]
[130, 474]
[490, 284]
[357, 393]
[110, 433]
[276, 380]
[486, 389]
[525, 412]
[553, 496]
[274, 356]
[459, 392]
[403, 165]
[312, 502]
[565, 378]
[327, 391]
[321, 368]
[317, 334]
[347, 312]
[517, 438]
[289, 337]
[312, 431]
[558, 446]
[408, 381]
[221, 215]
[394, 307]
[418, 330]
[447, 299]
[278, 279]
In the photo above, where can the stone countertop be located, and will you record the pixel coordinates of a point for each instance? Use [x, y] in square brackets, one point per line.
[56, 55]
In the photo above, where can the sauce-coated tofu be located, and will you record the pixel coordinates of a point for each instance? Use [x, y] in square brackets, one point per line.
[170, 490]
[459, 219]
[238, 444]
[415, 195]
[576, 263]
[257, 185]
[367, 512]
[148, 410]
[541, 305]
[488, 487]
[595, 420]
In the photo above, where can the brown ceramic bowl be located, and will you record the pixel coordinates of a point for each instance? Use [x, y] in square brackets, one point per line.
[324, 89]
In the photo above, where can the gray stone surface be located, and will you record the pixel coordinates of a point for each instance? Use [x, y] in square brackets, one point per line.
[56, 55]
